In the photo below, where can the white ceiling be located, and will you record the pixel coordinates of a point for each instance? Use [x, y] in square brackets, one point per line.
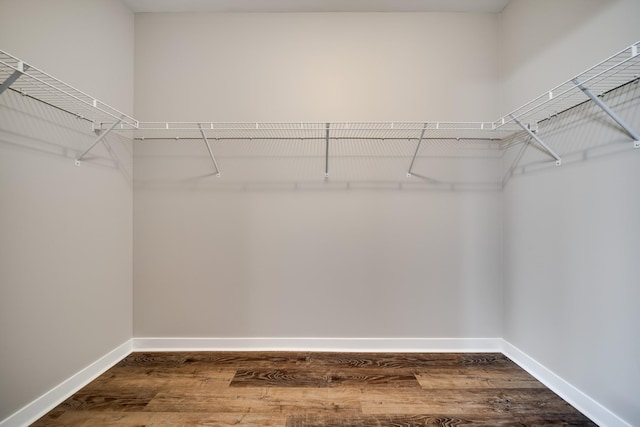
[476, 6]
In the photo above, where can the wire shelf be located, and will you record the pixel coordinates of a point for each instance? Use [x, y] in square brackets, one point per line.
[615, 71]
[322, 130]
[35, 83]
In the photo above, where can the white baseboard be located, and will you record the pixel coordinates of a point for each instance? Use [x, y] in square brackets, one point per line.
[579, 400]
[588, 406]
[320, 344]
[36, 409]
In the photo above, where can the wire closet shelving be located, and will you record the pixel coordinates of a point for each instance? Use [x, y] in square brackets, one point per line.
[619, 69]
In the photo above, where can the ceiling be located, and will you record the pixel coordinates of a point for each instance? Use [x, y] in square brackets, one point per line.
[475, 6]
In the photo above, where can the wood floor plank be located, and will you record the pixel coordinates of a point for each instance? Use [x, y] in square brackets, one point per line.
[120, 400]
[92, 419]
[265, 401]
[476, 377]
[314, 389]
[313, 420]
[467, 401]
[180, 376]
[308, 377]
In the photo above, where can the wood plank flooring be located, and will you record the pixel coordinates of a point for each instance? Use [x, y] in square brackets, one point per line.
[302, 389]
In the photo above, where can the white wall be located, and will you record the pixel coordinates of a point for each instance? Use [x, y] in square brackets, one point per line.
[65, 232]
[271, 249]
[570, 232]
[316, 67]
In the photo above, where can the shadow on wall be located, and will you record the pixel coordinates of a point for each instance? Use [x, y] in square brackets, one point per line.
[32, 126]
[582, 133]
[299, 165]
[577, 135]
[253, 165]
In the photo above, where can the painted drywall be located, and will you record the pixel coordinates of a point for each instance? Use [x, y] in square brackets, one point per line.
[384, 257]
[271, 248]
[544, 43]
[570, 232]
[65, 231]
[296, 67]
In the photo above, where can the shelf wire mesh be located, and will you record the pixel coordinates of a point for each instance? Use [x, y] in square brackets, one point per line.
[615, 71]
[322, 130]
[45, 88]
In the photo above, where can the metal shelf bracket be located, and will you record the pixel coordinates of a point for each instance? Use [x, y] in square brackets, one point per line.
[326, 152]
[628, 129]
[206, 141]
[424, 128]
[538, 140]
[100, 138]
[22, 67]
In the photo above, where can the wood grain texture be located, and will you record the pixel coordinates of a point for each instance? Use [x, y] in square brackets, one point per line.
[302, 389]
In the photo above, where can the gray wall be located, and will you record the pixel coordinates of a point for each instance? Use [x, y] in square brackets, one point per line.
[65, 232]
[570, 233]
[296, 67]
[545, 42]
[271, 249]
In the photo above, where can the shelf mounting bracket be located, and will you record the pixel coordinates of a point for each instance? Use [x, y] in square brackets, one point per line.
[206, 141]
[22, 67]
[326, 150]
[100, 138]
[628, 129]
[424, 128]
[538, 140]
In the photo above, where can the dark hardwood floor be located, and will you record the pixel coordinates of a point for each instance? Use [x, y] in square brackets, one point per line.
[315, 389]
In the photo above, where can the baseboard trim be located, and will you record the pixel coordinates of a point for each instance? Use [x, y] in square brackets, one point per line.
[587, 405]
[409, 345]
[43, 404]
[578, 399]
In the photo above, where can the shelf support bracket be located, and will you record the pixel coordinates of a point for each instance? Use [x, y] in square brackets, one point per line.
[100, 138]
[632, 133]
[326, 151]
[213, 159]
[22, 67]
[538, 140]
[424, 128]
